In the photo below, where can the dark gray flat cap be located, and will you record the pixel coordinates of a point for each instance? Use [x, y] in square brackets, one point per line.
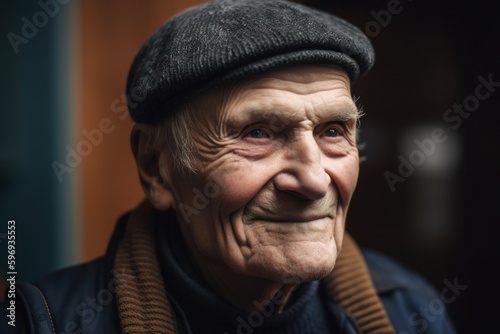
[225, 41]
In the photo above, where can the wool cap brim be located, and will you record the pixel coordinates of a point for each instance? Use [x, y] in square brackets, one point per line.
[225, 41]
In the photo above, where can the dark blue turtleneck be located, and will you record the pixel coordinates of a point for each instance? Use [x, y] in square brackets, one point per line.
[199, 309]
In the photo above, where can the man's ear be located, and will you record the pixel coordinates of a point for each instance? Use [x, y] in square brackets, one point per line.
[155, 179]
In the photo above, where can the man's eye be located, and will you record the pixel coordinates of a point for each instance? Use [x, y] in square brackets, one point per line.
[332, 132]
[258, 133]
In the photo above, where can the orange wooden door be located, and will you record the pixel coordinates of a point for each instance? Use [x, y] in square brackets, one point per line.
[109, 34]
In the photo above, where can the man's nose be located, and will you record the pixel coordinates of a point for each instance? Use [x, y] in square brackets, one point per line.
[302, 173]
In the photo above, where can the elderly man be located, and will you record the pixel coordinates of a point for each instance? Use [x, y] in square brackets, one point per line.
[245, 143]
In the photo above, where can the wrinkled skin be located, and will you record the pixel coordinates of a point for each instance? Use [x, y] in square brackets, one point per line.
[279, 152]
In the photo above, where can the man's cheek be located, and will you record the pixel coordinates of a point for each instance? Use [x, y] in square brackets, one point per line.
[237, 192]
[240, 185]
[345, 178]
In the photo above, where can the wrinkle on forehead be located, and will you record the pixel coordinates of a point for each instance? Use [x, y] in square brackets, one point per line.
[314, 93]
[256, 96]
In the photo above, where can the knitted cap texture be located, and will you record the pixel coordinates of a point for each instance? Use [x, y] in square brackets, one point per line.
[225, 41]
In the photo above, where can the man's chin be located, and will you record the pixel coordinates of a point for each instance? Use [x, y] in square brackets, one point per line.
[298, 266]
[304, 276]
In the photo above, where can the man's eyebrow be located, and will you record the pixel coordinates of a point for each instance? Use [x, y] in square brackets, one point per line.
[342, 113]
[350, 113]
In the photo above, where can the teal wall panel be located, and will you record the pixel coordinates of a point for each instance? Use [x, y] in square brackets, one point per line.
[35, 114]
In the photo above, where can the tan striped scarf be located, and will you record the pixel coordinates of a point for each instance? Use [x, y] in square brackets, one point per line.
[144, 308]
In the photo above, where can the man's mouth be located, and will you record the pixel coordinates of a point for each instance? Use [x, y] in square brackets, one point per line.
[297, 218]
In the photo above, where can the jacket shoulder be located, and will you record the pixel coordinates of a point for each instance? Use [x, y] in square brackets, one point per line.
[411, 301]
[77, 299]
[70, 285]
[51, 304]
[389, 274]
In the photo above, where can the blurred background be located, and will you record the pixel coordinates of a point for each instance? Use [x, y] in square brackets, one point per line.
[67, 172]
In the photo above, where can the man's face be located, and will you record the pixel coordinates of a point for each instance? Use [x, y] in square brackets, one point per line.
[280, 150]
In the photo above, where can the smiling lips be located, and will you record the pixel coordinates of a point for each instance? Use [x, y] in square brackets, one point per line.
[295, 218]
[297, 213]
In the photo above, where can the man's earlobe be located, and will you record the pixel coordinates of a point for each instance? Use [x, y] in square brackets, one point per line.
[154, 181]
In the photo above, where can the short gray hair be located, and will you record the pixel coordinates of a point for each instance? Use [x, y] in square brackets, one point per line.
[174, 133]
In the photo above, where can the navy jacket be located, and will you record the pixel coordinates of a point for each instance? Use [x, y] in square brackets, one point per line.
[81, 299]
